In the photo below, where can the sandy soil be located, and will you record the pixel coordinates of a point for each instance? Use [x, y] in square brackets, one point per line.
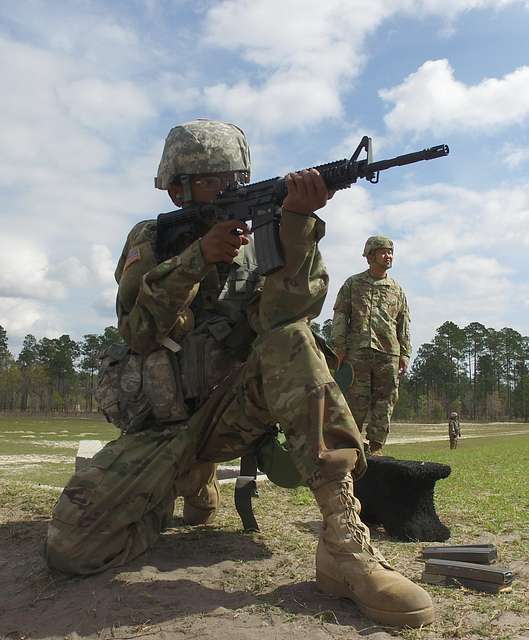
[218, 583]
[194, 583]
[177, 589]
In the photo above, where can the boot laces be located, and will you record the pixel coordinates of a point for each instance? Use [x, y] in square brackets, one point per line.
[357, 529]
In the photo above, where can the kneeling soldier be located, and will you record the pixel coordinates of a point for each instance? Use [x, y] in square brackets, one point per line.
[237, 357]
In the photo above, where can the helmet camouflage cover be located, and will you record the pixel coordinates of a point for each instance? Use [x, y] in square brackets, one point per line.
[377, 242]
[202, 146]
[453, 414]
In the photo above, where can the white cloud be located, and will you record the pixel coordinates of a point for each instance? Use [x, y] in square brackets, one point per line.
[459, 253]
[41, 137]
[467, 289]
[25, 271]
[70, 271]
[437, 220]
[350, 142]
[449, 8]
[309, 57]
[350, 218]
[20, 316]
[85, 31]
[105, 303]
[310, 60]
[103, 264]
[513, 156]
[87, 98]
[432, 99]
[470, 275]
[99, 104]
[289, 99]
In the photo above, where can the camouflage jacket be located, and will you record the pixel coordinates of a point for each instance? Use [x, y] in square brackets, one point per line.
[168, 300]
[209, 316]
[374, 313]
[454, 430]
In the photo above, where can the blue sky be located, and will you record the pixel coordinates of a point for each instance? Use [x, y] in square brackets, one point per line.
[90, 90]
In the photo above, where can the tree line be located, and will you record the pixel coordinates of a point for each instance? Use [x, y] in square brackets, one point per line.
[52, 375]
[480, 372]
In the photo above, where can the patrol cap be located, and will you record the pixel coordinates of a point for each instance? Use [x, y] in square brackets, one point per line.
[202, 146]
[377, 242]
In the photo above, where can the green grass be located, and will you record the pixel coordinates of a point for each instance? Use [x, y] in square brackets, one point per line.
[485, 498]
[488, 488]
[42, 450]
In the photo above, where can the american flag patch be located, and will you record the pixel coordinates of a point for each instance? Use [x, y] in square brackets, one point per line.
[132, 256]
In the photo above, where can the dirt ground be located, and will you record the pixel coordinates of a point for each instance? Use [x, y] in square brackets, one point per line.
[178, 589]
[216, 582]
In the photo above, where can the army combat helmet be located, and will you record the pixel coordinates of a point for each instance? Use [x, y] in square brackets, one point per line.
[201, 147]
[377, 242]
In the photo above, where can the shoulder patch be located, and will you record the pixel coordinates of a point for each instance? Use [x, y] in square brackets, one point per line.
[132, 256]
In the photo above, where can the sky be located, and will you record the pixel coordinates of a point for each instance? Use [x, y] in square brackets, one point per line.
[90, 89]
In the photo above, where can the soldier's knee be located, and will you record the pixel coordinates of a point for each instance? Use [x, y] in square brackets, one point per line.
[77, 552]
[61, 551]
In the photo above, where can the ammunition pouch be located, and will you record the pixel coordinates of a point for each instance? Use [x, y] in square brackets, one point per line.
[210, 353]
[137, 392]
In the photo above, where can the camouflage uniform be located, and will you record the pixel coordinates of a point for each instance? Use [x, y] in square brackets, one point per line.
[116, 508]
[371, 327]
[454, 430]
[264, 367]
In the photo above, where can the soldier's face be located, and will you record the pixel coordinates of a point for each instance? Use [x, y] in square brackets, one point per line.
[204, 188]
[383, 258]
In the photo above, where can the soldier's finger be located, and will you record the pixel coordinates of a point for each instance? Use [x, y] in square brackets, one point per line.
[233, 225]
[292, 186]
[311, 185]
[319, 186]
[303, 182]
[232, 240]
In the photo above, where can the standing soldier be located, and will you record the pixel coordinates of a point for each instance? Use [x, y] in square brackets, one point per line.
[454, 429]
[370, 330]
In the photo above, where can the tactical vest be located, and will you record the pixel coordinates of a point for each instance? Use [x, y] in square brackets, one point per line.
[137, 392]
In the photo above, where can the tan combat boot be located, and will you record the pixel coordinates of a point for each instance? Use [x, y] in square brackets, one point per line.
[347, 564]
[375, 448]
[200, 506]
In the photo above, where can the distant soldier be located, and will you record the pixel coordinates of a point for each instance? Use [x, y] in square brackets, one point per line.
[454, 430]
[371, 331]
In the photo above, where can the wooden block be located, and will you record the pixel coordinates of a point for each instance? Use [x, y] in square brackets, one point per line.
[86, 451]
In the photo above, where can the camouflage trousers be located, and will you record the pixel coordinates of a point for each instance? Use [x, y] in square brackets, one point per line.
[115, 508]
[374, 391]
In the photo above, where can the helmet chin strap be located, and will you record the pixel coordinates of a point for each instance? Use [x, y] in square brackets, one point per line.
[187, 196]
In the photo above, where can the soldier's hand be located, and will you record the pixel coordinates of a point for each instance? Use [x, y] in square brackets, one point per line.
[223, 241]
[403, 366]
[307, 192]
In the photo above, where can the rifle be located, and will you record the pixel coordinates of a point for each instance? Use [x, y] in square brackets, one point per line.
[259, 203]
